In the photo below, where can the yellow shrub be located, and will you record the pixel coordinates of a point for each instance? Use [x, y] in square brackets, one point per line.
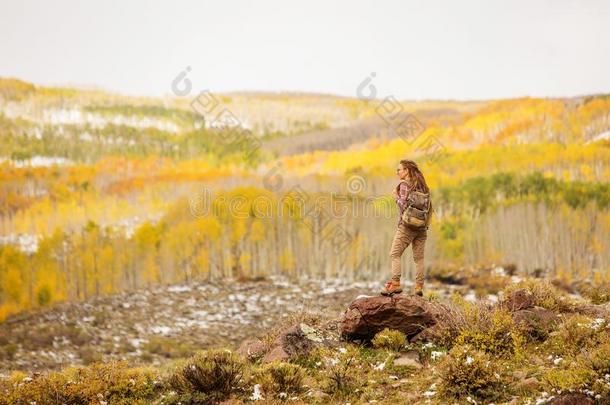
[491, 331]
[389, 339]
[465, 371]
[277, 377]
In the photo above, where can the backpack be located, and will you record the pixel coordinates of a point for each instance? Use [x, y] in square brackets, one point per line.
[418, 211]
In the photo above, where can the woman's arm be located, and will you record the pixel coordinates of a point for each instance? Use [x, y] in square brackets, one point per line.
[401, 199]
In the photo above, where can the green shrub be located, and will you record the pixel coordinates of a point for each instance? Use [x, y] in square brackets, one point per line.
[598, 294]
[277, 377]
[589, 370]
[465, 371]
[573, 378]
[44, 295]
[389, 339]
[339, 373]
[341, 378]
[492, 331]
[112, 382]
[575, 333]
[212, 374]
[597, 359]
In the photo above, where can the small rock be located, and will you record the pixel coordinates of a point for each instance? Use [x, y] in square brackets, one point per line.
[572, 399]
[317, 393]
[276, 354]
[251, 349]
[529, 384]
[408, 359]
[536, 320]
[311, 333]
[518, 300]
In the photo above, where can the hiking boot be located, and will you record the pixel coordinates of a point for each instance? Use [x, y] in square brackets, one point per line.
[391, 287]
[419, 289]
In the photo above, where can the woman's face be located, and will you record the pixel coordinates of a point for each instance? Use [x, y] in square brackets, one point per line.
[402, 173]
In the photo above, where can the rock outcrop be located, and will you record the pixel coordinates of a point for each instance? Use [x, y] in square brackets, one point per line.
[296, 340]
[368, 315]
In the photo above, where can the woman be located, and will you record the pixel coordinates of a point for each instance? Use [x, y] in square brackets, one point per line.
[411, 178]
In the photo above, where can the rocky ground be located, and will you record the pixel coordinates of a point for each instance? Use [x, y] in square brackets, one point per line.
[153, 325]
[316, 342]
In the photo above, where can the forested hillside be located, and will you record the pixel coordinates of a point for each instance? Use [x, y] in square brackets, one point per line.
[102, 193]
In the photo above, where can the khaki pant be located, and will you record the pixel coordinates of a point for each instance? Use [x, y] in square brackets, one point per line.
[403, 237]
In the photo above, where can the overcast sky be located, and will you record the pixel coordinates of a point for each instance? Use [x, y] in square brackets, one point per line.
[417, 49]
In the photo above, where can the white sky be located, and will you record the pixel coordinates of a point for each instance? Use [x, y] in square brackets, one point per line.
[418, 49]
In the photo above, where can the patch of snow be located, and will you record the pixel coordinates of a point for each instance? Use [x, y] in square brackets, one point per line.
[25, 242]
[164, 330]
[136, 342]
[39, 161]
[435, 355]
[597, 323]
[471, 297]
[499, 271]
[178, 288]
[329, 290]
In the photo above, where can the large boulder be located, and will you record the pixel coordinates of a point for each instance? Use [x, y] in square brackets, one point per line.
[366, 316]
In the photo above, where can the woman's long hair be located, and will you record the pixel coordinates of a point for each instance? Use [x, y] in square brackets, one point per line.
[417, 178]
